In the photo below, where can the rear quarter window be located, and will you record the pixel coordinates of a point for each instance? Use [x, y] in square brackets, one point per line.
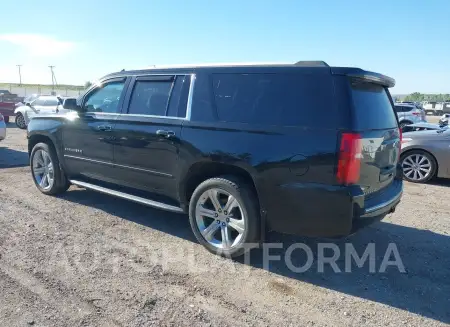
[372, 108]
[287, 99]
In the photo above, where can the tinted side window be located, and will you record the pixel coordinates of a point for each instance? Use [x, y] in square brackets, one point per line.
[105, 98]
[38, 102]
[150, 98]
[398, 108]
[372, 106]
[275, 99]
[178, 97]
[51, 102]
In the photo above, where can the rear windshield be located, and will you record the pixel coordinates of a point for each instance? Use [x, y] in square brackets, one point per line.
[373, 109]
[275, 99]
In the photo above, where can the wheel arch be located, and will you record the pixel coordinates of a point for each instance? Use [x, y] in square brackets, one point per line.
[201, 171]
[35, 138]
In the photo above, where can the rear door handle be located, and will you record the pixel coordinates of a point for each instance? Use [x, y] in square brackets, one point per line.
[104, 128]
[165, 133]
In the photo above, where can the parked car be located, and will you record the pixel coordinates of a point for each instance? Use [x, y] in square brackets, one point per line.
[409, 114]
[43, 104]
[2, 128]
[426, 155]
[444, 119]
[241, 149]
[422, 127]
[26, 100]
[7, 100]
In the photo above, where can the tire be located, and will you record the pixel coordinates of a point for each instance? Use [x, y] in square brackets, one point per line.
[20, 121]
[404, 123]
[6, 119]
[47, 152]
[247, 208]
[428, 163]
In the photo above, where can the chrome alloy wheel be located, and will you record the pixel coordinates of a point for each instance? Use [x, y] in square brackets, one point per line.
[416, 167]
[43, 171]
[220, 219]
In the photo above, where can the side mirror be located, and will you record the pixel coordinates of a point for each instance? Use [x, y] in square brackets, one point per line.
[28, 104]
[71, 104]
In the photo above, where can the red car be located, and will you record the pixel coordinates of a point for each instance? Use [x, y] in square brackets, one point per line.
[7, 104]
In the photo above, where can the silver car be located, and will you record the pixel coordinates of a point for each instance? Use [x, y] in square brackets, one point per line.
[2, 128]
[44, 104]
[409, 114]
[426, 154]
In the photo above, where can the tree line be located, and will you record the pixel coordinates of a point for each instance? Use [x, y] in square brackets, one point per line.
[416, 96]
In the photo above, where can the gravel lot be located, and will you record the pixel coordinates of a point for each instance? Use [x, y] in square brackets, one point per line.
[86, 259]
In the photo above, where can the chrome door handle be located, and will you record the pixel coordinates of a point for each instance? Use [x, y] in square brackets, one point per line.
[104, 128]
[164, 133]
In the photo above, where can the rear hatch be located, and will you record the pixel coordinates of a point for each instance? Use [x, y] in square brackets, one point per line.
[375, 121]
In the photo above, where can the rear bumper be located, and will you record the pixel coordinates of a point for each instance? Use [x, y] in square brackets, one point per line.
[7, 112]
[328, 211]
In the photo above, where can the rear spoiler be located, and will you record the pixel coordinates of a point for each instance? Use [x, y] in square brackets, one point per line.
[365, 75]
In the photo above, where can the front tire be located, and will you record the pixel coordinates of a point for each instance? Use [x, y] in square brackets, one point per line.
[224, 216]
[418, 166]
[47, 174]
[20, 121]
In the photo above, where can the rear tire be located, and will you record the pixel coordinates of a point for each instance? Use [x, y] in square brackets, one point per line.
[418, 166]
[20, 121]
[229, 226]
[47, 173]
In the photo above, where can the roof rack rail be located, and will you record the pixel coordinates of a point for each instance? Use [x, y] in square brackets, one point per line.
[317, 63]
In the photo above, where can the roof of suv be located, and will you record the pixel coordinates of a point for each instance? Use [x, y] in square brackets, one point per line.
[308, 66]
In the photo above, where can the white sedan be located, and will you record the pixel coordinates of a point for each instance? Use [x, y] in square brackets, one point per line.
[44, 104]
[2, 128]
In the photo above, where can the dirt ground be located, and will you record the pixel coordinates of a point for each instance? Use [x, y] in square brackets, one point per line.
[86, 259]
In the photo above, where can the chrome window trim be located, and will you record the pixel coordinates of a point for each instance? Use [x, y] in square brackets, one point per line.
[190, 97]
[188, 106]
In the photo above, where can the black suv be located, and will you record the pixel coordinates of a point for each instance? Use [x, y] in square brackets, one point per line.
[304, 148]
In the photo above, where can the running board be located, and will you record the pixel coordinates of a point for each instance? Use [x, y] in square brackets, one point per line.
[126, 196]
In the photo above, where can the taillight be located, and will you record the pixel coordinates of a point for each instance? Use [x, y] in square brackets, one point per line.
[349, 164]
[416, 113]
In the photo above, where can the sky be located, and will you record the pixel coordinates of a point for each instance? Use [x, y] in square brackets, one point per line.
[86, 39]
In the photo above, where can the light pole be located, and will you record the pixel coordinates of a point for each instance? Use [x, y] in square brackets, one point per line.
[20, 75]
[53, 78]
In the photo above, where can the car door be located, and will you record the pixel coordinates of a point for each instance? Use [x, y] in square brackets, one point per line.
[88, 137]
[148, 133]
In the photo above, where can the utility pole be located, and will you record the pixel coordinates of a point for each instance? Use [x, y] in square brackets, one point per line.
[53, 78]
[20, 75]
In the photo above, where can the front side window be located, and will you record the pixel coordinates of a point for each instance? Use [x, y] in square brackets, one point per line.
[105, 98]
[51, 102]
[38, 102]
[150, 98]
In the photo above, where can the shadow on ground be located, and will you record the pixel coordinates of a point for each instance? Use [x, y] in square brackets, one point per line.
[10, 158]
[11, 124]
[423, 289]
[440, 182]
